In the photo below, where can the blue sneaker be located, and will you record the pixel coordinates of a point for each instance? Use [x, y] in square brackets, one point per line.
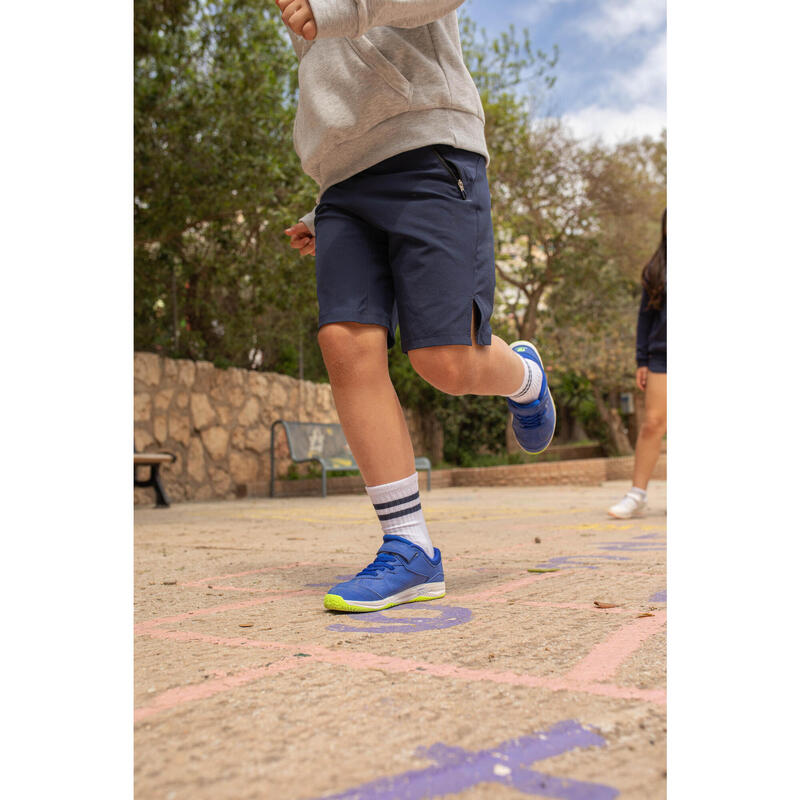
[400, 573]
[534, 423]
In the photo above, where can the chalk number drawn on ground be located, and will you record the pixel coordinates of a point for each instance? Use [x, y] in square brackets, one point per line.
[457, 770]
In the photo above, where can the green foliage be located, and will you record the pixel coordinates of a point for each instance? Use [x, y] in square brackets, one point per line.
[216, 180]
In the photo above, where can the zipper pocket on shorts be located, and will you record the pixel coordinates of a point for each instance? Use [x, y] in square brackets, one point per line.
[456, 177]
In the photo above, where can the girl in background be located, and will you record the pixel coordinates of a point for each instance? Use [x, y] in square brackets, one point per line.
[651, 377]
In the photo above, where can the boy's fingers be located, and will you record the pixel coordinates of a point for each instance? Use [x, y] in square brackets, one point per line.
[309, 30]
[309, 249]
[298, 229]
[296, 15]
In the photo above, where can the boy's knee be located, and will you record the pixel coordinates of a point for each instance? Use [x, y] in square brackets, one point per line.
[447, 369]
[349, 351]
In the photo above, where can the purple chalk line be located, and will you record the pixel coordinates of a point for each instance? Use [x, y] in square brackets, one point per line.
[459, 769]
[389, 623]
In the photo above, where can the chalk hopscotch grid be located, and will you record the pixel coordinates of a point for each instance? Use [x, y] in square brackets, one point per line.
[591, 675]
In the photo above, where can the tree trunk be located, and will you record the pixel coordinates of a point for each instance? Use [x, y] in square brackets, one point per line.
[617, 437]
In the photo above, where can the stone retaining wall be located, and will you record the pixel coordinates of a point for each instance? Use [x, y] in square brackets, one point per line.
[217, 422]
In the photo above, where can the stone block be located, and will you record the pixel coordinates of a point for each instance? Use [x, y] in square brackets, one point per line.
[182, 399]
[216, 441]
[196, 461]
[160, 429]
[257, 439]
[238, 438]
[203, 415]
[142, 439]
[186, 372]
[258, 385]
[179, 428]
[163, 398]
[147, 368]
[280, 396]
[142, 408]
[225, 414]
[249, 414]
[244, 467]
[204, 492]
[221, 481]
[170, 370]
[203, 376]
[225, 393]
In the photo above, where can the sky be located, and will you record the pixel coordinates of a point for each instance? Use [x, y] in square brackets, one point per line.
[612, 67]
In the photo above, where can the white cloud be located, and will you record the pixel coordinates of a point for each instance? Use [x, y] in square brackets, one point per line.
[619, 18]
[613, 125]
[649, 79]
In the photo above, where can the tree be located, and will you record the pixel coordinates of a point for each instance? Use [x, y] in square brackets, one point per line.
[216, 180]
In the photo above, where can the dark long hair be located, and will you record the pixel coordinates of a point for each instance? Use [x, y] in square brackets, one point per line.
[654, 275]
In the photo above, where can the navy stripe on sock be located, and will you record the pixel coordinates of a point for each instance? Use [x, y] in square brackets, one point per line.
[399, 502]
[402, 513]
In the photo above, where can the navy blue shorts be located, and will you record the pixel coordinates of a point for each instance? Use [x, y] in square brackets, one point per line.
[410, 241]
[657, 363]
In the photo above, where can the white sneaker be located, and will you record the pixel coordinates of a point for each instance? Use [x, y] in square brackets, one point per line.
[630, 505]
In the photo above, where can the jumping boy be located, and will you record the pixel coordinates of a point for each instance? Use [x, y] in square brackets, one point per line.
[390, 125]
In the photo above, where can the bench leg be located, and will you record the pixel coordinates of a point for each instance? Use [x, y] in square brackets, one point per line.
[162, 501]
[429, 480]
[324, 483]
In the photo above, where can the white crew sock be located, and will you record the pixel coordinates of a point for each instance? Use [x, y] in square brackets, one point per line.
[398, 507]
[531, 383]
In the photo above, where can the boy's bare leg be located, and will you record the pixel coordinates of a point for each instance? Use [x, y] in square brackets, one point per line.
[357, 362]
[479, 369]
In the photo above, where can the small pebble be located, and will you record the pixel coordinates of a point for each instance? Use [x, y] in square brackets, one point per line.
[537, 540]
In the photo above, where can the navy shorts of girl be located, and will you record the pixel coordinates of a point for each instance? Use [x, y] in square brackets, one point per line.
[410, 240]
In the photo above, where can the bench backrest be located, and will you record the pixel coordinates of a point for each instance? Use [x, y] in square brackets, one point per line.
[321, 441]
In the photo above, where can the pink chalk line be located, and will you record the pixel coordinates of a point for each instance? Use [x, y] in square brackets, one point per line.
[605, 658]
[200, 691]
[145, 627]
[206, 581]
[365, 660]
[599, 665]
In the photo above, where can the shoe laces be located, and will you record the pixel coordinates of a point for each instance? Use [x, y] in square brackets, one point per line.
[532, 420]
[383, 561]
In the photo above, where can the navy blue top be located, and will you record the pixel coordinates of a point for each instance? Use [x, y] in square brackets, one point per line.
[651, 332]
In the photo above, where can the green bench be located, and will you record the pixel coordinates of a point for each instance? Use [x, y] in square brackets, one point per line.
[324, 443]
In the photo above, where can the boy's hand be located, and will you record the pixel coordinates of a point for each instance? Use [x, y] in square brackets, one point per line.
[641, 378]
[301, 239]
[298, 17]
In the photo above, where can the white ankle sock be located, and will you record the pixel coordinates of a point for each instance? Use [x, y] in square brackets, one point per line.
[398, 507]
[641, 493]
[531, 383]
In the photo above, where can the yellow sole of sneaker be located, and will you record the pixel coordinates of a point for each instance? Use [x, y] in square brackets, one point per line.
[334, 602]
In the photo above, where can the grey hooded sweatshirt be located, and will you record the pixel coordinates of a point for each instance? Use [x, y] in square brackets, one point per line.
[381, 77]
